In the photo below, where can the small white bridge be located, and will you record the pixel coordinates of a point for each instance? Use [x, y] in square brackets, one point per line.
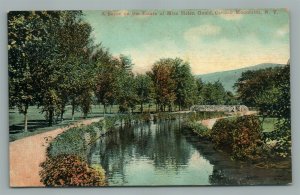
[220, 108]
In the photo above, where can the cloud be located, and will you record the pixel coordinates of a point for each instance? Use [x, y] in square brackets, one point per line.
[197, 33]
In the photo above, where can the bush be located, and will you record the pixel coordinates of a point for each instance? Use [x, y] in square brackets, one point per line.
[70, 170]
[242, 137]
[278, 142]
[222, 134]
[73, 141]
[247, 138]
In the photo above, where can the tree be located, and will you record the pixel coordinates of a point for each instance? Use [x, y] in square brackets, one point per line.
[105, 80]
[144, 89]
[75, 48]
[30, 49]
[126, 93]
[164, 84]
[269, 89]
[258, 89]
[214, 93]
[185, 87]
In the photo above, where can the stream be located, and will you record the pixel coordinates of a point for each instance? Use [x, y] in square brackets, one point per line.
[165, 154]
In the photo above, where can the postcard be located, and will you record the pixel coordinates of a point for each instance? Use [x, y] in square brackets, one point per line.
[196, 97]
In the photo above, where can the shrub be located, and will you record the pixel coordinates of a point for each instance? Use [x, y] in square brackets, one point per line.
[70, 170]
[73, 141]
[222, 134]
[242, 137]
[247, 138]
[278, 142]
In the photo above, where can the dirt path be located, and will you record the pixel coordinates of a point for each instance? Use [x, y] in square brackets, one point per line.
[209, 123]
[26, 155]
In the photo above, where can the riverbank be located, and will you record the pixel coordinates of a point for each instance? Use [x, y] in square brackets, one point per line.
[244, 139]
[28, 153]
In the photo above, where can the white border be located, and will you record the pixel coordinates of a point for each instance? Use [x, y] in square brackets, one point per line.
[292, 5]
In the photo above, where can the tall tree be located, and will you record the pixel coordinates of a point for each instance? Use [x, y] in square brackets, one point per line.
[30, 50]
[185, 87]
[144, 89]
[258, 89]
[107, 69]
[75, 48]
[164, 84]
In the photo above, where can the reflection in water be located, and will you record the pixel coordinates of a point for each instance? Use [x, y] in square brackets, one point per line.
[162, 154]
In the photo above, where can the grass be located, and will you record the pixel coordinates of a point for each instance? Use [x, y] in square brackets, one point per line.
[268, 124]
[37, 123]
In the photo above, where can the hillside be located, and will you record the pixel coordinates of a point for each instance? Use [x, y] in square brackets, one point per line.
[228, 78]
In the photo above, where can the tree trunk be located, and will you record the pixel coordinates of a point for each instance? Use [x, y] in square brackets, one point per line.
[25, 122]
[104, 109]
[73, 109]
[142, 109]
[62, 113]
[50, 122]
[26, 118]
[111, 109]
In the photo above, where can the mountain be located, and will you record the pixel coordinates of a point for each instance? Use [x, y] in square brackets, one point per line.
[229, 77]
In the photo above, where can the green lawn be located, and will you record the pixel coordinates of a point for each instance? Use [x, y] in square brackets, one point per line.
[269, 124]
[37, 123]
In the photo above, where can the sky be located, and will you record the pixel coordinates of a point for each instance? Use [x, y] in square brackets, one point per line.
[210, 40]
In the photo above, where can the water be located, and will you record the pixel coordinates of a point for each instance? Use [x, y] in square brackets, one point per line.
[165, 154]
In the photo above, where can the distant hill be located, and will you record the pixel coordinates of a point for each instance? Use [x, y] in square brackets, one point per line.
[228, 78]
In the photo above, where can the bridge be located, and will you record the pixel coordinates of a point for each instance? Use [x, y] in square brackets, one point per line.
[220, 108]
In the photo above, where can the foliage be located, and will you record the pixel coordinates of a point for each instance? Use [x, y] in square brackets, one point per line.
[47, 50]
[144, 89]
[185, 85]
[247, 138]
[29, 49]
[70, 170]
[242, 137]
[126, 92]
[74, 142]
[263, 88]
[278, 142]
[269, 89]
[222, 134]
[164, 84]
[214, 94]
[105, 79]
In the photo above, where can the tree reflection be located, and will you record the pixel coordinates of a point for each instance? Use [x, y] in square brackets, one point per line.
[162, 143]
